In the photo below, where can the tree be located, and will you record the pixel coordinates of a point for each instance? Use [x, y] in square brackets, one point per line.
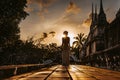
[81, 38]
[11, 14]
[78, 44]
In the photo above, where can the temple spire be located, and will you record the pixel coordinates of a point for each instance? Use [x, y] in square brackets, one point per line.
[95, 8]
[92, 23]
[102, 16]
[92, 13]
[95, 12]
[101, 7]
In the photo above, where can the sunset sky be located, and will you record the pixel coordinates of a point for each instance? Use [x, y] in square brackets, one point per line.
[60, 15]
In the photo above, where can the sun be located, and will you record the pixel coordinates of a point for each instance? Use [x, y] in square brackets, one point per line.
[60, 35]
[71, 35]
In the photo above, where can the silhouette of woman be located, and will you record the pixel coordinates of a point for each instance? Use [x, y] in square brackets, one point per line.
[65, 48]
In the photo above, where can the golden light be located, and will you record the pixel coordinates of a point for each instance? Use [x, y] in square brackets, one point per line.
[63, 35]
[59, 34]
[71, 35]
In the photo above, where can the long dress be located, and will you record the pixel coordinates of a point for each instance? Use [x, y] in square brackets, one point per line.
[66, 51]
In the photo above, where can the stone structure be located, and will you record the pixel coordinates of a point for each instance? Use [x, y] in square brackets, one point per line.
[102, 47]
[96, 36]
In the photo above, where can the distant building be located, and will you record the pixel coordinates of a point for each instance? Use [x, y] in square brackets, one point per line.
[112, 32]
[103, 37]
[95, 38]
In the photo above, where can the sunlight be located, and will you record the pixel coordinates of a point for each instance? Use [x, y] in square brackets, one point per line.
[59, 38]
[63, 35]
[71, 35]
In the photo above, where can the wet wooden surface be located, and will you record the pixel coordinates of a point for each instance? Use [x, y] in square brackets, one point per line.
[73, 72]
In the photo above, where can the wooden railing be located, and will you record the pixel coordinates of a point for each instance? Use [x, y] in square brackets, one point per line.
[11, 70]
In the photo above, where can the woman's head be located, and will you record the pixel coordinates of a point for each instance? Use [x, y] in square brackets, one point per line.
[65, 32]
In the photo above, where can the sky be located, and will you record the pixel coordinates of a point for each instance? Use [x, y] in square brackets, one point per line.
[47, 16]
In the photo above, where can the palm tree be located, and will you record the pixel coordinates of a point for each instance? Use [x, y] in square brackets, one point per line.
[78, 44]
[80, 39]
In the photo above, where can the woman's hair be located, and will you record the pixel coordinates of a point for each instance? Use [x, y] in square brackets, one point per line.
[65, 32]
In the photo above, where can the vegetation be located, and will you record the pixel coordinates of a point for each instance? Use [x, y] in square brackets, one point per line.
[12, 49]
[78, 44]
[15, 51]
[11, 14]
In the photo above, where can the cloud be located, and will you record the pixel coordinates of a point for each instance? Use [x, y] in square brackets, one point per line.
[69, 20]
[72, 8]
[52, 33]
[70, 16]
[39, 6]
[42, 3]
[42, 12]
[45, 35]
[29, 9]
[108, 9]
[87, 22]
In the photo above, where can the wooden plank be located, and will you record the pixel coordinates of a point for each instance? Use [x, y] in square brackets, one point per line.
[77, 72]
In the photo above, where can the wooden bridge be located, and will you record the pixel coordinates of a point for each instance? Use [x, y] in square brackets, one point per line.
[73, 72]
